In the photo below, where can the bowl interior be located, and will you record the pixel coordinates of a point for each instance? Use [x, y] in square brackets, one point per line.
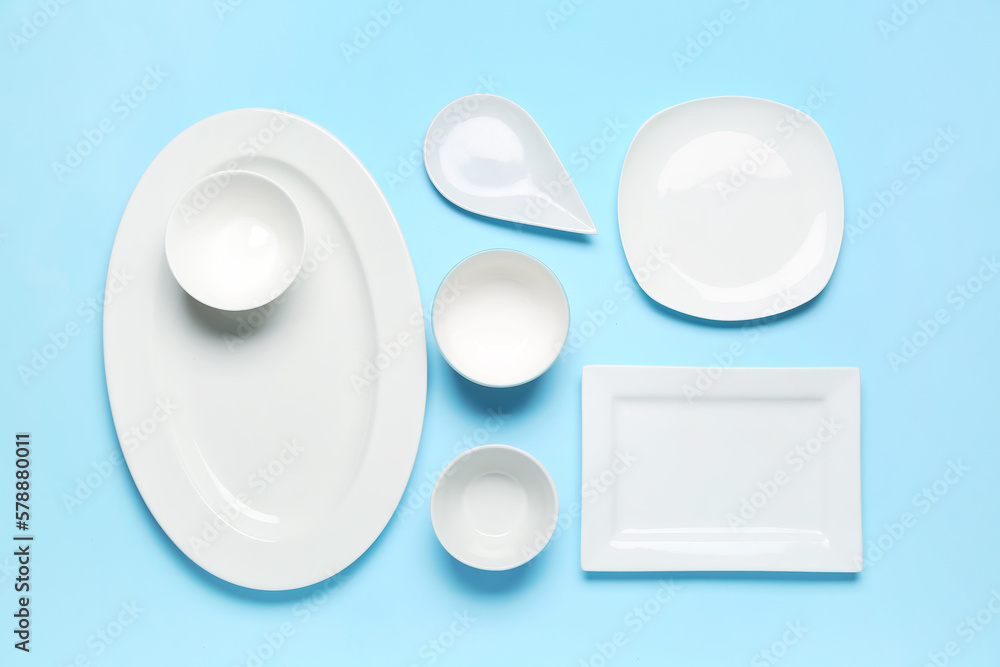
[494, 507]
[501, 318]
[235, 240]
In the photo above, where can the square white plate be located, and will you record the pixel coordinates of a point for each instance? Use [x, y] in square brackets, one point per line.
[721, 469]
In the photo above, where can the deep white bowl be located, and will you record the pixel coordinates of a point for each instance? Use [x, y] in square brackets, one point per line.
[235, 240]
[500, 318]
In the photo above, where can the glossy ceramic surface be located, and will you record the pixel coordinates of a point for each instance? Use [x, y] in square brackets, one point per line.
[235, 240]
[487, 155]
[494, 507]
[731, 208]
[711, 469]
[500, 318]
[272, 445]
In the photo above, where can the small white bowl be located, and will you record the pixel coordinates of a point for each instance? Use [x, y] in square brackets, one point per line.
[500, 318]
[235, 240]
[494, 507]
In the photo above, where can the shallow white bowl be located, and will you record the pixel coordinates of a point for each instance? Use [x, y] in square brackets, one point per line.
[235, 240]
[494, 507]
[500, 318]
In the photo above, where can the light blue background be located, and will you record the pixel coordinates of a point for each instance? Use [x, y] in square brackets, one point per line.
[890, 96]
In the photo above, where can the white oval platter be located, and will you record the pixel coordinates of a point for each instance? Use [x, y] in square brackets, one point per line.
[272, 445]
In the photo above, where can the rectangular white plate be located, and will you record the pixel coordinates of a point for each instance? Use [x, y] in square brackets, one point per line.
[721, 469]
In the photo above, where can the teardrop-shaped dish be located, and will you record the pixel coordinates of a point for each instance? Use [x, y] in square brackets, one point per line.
[487, 155]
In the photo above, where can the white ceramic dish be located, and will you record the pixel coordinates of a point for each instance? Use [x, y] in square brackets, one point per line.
[731, 208]
[494, 507]
[500, 318]
[710, 469]
[487, 155]
[274, 444]
[235, 240]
